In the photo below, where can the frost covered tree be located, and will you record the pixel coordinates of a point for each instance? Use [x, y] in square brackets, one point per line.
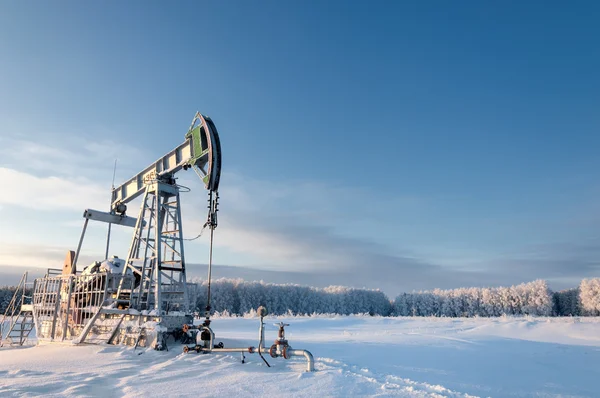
[241, 297]
[566, 302]
[533, 298]
[589, 296]
[538, 299]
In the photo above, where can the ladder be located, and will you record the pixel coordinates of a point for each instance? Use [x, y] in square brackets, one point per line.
[156, 255]
[17, 322]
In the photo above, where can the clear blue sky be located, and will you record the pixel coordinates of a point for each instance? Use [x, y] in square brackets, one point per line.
[454, 143]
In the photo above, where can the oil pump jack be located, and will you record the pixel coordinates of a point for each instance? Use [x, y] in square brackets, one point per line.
[143, 299]
[156, 255]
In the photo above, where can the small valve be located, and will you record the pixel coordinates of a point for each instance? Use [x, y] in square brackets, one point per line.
[281, 346]
[281, 333]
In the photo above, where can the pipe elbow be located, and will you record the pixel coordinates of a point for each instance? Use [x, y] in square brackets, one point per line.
[310, 365]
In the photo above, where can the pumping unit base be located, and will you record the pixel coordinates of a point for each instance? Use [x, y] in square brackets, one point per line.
[87, 309]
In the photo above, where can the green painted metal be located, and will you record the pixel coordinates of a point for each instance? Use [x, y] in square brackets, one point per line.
[198, 149]
[197, 146]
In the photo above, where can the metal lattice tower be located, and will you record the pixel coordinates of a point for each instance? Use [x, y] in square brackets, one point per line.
[156, 255]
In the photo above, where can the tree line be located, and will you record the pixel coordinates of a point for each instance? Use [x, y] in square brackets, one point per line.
[239, 297]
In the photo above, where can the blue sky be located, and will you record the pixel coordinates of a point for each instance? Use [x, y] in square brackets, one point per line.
[401, 145]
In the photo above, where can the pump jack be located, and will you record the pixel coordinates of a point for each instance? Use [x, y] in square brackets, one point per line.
[147, 293]
[144, 299]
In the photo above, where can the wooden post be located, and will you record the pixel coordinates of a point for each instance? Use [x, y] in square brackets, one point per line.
[68, 266]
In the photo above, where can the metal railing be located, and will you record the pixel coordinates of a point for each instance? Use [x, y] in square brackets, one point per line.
[15, 324]
[63, 305]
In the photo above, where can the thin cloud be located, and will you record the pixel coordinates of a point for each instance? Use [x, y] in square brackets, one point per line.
[35, 255]
[560, 262]
[282, 239]
[48, 193]
[70, 156]
[292, 229]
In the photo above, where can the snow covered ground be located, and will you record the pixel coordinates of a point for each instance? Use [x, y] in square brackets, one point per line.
[354, 356]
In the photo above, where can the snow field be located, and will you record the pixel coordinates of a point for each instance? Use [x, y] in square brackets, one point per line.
[354, 356]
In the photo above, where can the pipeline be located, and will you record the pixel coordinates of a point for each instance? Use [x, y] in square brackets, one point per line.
[281, 348]
[249, 350]
[310, 367]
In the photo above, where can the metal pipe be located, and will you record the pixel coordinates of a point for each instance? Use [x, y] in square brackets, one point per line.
[66, 324]
[212, 233]
[182, 274]
[310, 367]
[212, 336]
[107, 241]
[250, 350]
[56, 307]
[80, 242]
[261, 339]
[158, 219]
[261, 334]
[112, 188]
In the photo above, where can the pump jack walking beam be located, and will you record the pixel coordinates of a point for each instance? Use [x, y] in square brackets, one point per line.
[201, 151]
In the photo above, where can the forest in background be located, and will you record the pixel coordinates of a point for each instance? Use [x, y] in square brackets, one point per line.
[239, 297]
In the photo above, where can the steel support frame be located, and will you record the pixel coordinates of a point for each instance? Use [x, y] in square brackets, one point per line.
[156, 254]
